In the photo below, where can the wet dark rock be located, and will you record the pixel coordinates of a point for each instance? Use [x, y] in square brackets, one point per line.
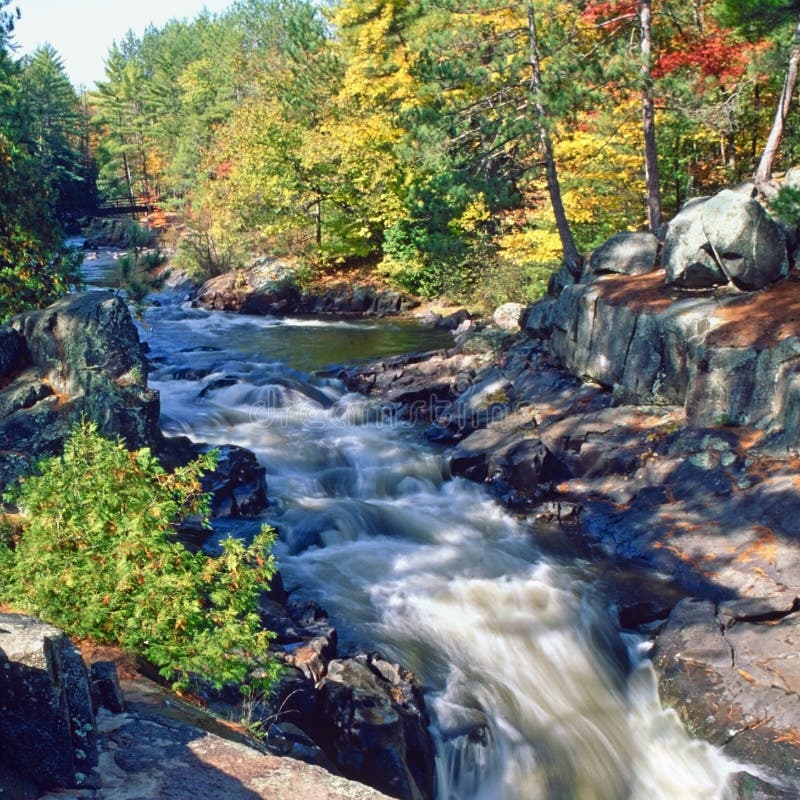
[11, 351]
[191, 373]
[565, 513]
[218, 383]
[237, 485]
[419, 387]
[47, 727]
[377, 725]
[625, 253]
[528, 464]
[749, 787]
[642, 614]
[16, 786]
[501, 454]
[451, 321]
[285, 738]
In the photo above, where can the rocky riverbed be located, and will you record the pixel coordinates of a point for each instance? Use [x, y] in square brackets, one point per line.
[656, 428]
[356, 713]
[696, 512]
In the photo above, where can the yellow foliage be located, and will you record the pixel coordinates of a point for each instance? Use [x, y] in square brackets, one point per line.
[376, 74]
[473, 217]
[537, 245]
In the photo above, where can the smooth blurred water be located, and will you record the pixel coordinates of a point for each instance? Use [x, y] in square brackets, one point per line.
[532, 690]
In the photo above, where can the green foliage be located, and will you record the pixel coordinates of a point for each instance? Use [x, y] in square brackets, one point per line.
[135, 268]
[97, 557]
[415, 135]
[56, 131]
[38, 165]
[205, 254]
[786, 205]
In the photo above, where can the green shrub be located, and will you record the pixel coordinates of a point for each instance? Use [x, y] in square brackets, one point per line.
[97, 557]
[786, 205]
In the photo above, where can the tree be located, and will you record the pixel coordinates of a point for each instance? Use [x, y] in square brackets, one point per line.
[96, 555]
[757, 18]
[54, 124]
[767, 162]
[649, 118]
[572, 259]
[34, 266]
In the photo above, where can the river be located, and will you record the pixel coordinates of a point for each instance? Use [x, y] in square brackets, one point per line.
[533, 691]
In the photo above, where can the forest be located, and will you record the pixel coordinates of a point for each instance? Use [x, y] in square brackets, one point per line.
[462, 149]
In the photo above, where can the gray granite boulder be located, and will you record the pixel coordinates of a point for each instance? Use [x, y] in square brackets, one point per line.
[78, 358]
[507, 316]
[687, 258]
[626, 253]
[749, 246]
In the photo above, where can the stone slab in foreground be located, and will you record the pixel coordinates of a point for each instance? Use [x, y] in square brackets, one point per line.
[157, 749]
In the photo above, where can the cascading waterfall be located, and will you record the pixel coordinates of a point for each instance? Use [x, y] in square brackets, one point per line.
[532, 690]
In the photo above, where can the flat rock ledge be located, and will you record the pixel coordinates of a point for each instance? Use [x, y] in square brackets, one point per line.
[161, 747]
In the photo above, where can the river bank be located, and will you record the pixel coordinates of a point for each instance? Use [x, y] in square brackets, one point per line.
[705, 514]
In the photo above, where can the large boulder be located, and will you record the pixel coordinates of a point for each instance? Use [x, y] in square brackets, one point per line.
[237, 484]
[376, 726]
[741, 676]
[82, 341]
[510, 457]
[248, 293]
[749, 246]
[78, 358]
[626, 253]
[687, 258]
[47, 727]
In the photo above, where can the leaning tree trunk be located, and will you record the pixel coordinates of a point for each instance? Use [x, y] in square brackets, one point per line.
[652, 179]
[767, 162]
[572, 258]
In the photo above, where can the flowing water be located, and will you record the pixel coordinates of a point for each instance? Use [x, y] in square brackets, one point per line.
[533, 692]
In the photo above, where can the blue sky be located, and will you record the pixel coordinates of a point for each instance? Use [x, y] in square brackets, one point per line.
[82, 30]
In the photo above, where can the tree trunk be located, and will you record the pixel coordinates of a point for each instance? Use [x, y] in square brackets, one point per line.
[767, 162]
[128, 179]
[651, 175]
[572, 258]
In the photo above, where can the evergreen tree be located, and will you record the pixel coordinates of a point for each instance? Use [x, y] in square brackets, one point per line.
[54, 123]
